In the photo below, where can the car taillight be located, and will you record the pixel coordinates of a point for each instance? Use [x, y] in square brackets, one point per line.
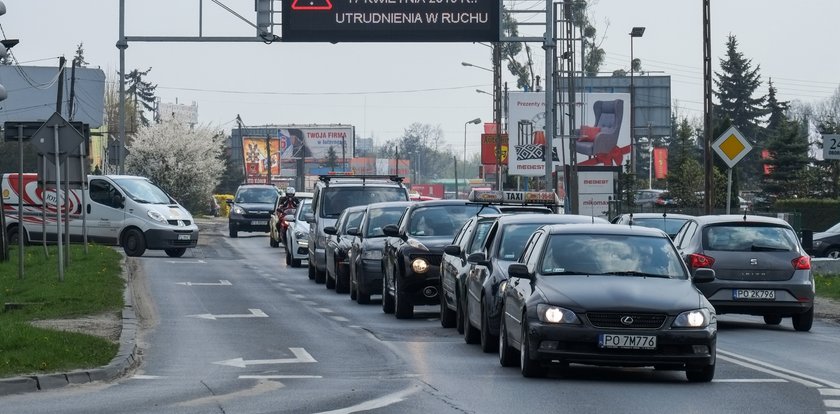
[697, 260]
[802, 263]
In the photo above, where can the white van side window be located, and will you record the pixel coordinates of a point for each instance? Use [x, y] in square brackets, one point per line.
[103, 192]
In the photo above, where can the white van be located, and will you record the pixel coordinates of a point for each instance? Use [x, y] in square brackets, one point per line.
[118, 210]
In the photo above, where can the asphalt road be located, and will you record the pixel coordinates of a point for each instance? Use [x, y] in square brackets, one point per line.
[236, 331]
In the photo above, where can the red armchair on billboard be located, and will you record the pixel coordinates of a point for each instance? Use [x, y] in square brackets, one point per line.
[600, 142]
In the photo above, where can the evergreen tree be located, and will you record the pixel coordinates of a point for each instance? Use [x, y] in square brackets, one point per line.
[685, 181]
[788, 162]
[777, 109]
[80, 56]
[232, 176]
[142, 93]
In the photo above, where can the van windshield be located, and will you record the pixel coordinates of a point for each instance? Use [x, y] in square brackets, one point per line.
[336, 199]
[142, 190]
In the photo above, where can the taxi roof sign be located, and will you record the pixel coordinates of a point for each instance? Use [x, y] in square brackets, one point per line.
[514, 197]
[731, 146]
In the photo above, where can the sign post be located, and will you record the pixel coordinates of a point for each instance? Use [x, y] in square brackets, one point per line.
[731, 147]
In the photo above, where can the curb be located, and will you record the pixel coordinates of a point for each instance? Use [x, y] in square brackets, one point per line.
[127, 358]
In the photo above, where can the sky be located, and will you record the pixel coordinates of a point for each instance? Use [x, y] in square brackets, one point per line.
[382, 88]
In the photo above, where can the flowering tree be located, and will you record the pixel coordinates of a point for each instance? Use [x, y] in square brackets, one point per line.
[185, 162]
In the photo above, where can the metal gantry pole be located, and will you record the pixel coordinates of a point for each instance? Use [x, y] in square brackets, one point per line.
[549, 46]
[58, 203]
[122, 44]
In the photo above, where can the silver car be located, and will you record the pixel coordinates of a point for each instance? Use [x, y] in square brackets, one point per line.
[297, 234]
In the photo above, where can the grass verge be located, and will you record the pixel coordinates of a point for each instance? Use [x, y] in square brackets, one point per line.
[92, 284]
[828, 286]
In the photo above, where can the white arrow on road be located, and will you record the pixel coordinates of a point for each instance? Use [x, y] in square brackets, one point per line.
[255, 313]
[221, 283]
[300, 356]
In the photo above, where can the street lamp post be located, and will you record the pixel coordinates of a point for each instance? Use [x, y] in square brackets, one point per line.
[635, 32]
[464, 161]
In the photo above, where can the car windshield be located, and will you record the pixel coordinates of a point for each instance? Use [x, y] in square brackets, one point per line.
[834, 229]
[437, 221]
[257, 195]
[143, 191]
[612, 254]
[667, 224]
[513, 240]
[336, 199]
[749, 238]
[381, 217]
[304, 207]
[354, 219]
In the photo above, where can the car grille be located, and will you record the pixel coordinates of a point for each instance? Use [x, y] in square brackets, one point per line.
[257, 215]
[175, 222]
[433, 259]
[613, 320]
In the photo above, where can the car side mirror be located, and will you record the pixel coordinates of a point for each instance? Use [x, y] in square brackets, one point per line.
[519, 270]
[478, 258]
[452, 250]
[704, 275]
[309, 217]
[289, 219]
[229, 202]
[330, 230]
[353, 231]
[391, 230]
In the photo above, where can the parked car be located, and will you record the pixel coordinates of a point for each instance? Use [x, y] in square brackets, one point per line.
[827, 243]
[334, 193]
[339, 238]
[297, 234]
[652, 197]
[667, 222]
[606, 295]
[760, 266]
[413, 250]
[278, 223]
[251, 208]
[366, 249]
[482, 299]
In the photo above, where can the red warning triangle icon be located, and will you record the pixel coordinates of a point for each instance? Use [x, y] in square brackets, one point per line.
[312, 5]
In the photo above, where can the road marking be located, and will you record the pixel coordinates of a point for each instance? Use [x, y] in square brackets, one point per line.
[804, 379]
[380, 402]
[280, 376]
[340, 318]
[187, 261]
[146, 377]
[751, 380]
[300, 356]
[309, 303]
[324, 310]
[255, 313]
[830, 392]
[832, 403]
[299, 296]
[221, 283]
[290, 290]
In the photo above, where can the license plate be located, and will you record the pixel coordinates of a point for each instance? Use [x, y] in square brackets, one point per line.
[259, 223]
[627, 341]
[754, 294]
[183, 237]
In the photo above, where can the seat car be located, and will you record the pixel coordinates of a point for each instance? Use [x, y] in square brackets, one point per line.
[297, 234]
[760, 266]
[366, 249]
[482, 300]
[334, 193]
[606, 295]
[827, 243]
[667, 222]
[413, 251]
[339, 238]
[251, 208]
[278, 224]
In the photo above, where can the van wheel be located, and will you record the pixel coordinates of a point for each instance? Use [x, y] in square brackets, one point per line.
[134, 244]
[176, 252]
[12, 236]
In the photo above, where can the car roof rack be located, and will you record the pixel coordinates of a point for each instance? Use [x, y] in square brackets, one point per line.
[326, 178]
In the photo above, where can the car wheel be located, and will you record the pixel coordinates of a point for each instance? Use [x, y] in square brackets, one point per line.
[288, 258]
[507, 354]
[803, 321]
[833, 253]
[489, 342]
[232, 230]
[329, 280]
[447, 316]
[530, 368]
[320, 277]
[295, 262]
[175, 252]
[362, 295]
[471, 335]
[312, 271]
[387, 299]
[702, 374]
[459, 313]
[403, 309]
[772, 319]
[352, 288]
[342, 283]
[134, 244]
[272, 242]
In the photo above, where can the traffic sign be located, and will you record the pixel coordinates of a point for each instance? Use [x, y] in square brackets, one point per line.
[731, 146]
[68, 137]
[831, 147]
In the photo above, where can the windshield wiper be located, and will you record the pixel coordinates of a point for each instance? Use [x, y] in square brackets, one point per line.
[635, 273]
[764, 248]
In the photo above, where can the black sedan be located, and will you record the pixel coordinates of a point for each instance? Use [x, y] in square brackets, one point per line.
[366, 249]
[827, 243]
[413, 252]
[339, 239]
[482, 300]
[606, 295]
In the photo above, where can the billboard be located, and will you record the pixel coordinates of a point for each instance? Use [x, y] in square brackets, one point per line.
[390, 21]
[315, 141]
[260, 154]
[602, 132]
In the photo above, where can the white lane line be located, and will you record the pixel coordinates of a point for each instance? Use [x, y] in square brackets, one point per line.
[770, 371]
[832, 403]
[299, 296]
[186, 261]
[290, 290]
[324, 310]
[340, 318]
[373, 404]
[830, 392]
[752, 380]
[779, 370]
[308, 303]
[280, 376]
[146, 377]
[354, 326]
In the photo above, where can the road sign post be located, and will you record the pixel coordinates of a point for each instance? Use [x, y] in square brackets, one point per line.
[731, 147]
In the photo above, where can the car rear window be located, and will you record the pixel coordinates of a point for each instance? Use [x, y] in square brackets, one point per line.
[668, 225]
[335, 199]
[748, 237]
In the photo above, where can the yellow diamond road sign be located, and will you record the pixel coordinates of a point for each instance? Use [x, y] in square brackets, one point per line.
[731, 146]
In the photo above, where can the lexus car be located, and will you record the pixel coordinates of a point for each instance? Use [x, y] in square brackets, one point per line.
[251, 208]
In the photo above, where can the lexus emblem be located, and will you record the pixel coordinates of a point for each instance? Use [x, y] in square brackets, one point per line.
[754, 262]
[627, 320]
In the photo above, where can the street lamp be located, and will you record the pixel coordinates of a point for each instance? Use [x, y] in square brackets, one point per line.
[474, 121]
[475, 66]
[635, 32]
[484, 92]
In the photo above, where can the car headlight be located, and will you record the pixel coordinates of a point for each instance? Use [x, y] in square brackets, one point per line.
[372, 255]
[154, 215]
[420, 266]
[238, 210]
[697, 318]
[556, 314]
[300, 235]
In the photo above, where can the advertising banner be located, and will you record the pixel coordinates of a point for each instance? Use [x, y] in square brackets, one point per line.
[488, 148]
[315, 141]
[660, 162]
[256, 155]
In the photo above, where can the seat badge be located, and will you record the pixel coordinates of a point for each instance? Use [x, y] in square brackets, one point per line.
[754, 262]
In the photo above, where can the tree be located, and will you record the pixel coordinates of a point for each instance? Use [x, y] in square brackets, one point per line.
[593, 53]
[524, 73]
[685, 180]
[80, 56]
[142, 93]
[184, 162]
[788, 162]
[232, 176]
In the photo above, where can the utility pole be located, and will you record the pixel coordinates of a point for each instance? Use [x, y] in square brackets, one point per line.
[497, 109]
[708, 185]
